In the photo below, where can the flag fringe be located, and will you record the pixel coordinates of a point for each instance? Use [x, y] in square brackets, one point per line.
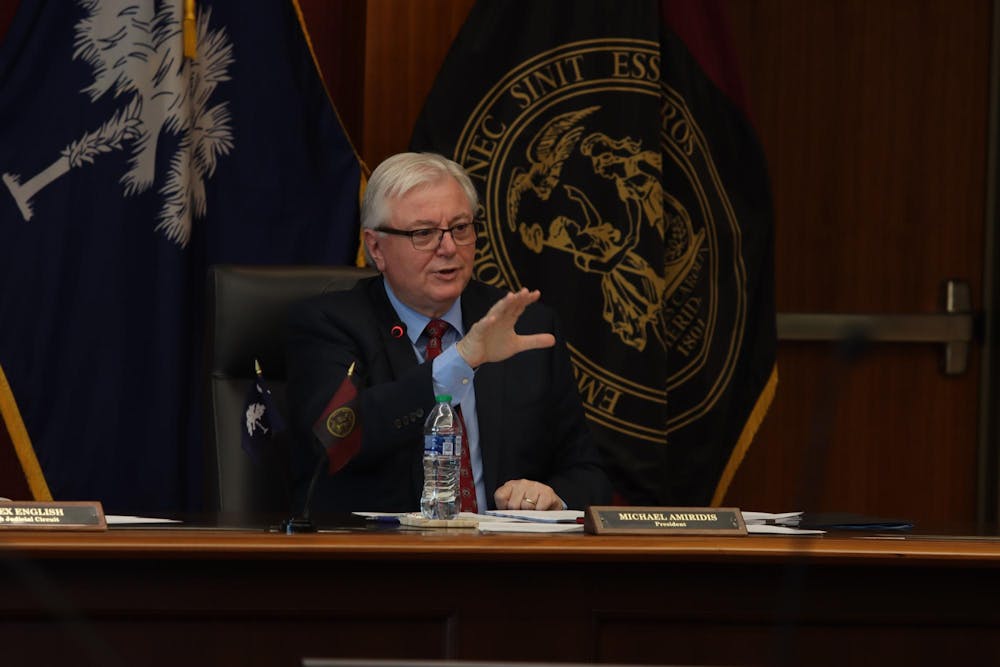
[22, 443]
[190, 30]
[754, 421]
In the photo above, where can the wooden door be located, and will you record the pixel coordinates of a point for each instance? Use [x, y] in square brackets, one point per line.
[874, 118]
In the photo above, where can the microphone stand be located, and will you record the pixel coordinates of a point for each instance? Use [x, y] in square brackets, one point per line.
[302, 523]
[787, 644]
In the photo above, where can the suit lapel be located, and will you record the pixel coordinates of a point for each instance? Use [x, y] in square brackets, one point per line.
[398, 349]
[399, 353]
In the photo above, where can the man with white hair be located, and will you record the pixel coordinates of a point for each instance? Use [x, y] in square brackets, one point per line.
[421, 328]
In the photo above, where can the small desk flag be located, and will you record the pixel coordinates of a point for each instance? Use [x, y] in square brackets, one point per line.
[339, 427]
[262, 421]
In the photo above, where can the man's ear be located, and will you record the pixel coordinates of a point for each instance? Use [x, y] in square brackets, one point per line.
[374, 249]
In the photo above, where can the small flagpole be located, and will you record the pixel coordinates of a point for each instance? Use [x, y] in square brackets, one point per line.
[303, 523]
[190, 31]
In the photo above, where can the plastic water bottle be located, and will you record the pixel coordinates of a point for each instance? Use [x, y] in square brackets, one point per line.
[441, 498]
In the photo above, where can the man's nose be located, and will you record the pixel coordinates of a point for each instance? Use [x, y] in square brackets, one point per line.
[447, 245]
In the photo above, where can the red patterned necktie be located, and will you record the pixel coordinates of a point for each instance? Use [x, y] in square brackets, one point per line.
[434, 330]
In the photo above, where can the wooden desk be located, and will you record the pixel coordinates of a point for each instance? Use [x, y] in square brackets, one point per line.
[213, 597]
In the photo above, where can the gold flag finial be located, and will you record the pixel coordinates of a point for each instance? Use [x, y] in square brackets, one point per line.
[190, 31]
[256, 368]
[350, 371]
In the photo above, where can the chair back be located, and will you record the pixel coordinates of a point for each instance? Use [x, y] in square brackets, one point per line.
[247, 319]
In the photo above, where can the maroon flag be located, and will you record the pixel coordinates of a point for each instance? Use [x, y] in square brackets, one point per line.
[339, 427]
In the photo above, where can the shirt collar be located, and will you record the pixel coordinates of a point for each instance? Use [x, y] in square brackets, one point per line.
[416, 323]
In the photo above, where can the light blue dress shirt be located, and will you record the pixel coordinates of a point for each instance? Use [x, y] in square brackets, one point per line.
[451, 375]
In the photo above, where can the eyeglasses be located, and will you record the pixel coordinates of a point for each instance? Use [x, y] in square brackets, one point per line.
[429, 238]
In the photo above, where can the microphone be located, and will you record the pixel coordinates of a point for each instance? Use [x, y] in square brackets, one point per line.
[398, 330]
[302, 523]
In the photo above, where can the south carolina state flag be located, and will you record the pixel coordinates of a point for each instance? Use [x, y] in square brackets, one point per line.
[262, 422]
[126, 168]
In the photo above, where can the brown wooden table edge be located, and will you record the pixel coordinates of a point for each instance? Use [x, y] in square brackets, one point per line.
[468, 545]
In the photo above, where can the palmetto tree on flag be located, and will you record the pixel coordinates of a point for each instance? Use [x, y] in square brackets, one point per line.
[136, 53]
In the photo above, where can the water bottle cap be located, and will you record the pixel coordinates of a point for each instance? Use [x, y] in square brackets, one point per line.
[443, 398]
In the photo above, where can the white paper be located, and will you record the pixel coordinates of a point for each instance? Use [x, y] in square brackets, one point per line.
[774, 518]
[771, 529]
[528, 527]
[122, 520]
[538, 516]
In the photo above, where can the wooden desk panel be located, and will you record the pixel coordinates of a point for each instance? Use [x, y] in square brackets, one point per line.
[174, 597]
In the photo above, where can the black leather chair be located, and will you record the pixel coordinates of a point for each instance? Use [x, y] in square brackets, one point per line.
[247, 313]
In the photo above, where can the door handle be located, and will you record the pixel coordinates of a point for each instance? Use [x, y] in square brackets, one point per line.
[953, 328]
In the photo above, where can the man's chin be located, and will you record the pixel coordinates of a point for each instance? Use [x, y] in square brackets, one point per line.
[446, 291]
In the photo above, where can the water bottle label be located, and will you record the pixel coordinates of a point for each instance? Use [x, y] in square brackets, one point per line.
[443, 445]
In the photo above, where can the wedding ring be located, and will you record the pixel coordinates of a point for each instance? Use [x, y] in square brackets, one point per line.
[529, 500]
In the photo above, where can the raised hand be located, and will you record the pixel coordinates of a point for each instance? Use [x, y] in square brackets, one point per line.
[493, 338]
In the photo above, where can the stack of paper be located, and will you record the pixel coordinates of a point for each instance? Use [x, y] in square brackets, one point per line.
[493, 521]
[781, 523]
[531, 521]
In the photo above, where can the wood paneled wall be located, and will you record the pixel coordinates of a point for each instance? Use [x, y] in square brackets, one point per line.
[873, 118]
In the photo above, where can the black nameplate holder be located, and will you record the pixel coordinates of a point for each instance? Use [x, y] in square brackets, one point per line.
[24, 515]
[608, 520]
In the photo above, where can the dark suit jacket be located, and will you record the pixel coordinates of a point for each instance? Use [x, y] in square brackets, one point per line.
[531, 421]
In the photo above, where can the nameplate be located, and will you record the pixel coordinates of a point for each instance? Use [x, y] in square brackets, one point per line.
[22, 515]
[606, 520]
